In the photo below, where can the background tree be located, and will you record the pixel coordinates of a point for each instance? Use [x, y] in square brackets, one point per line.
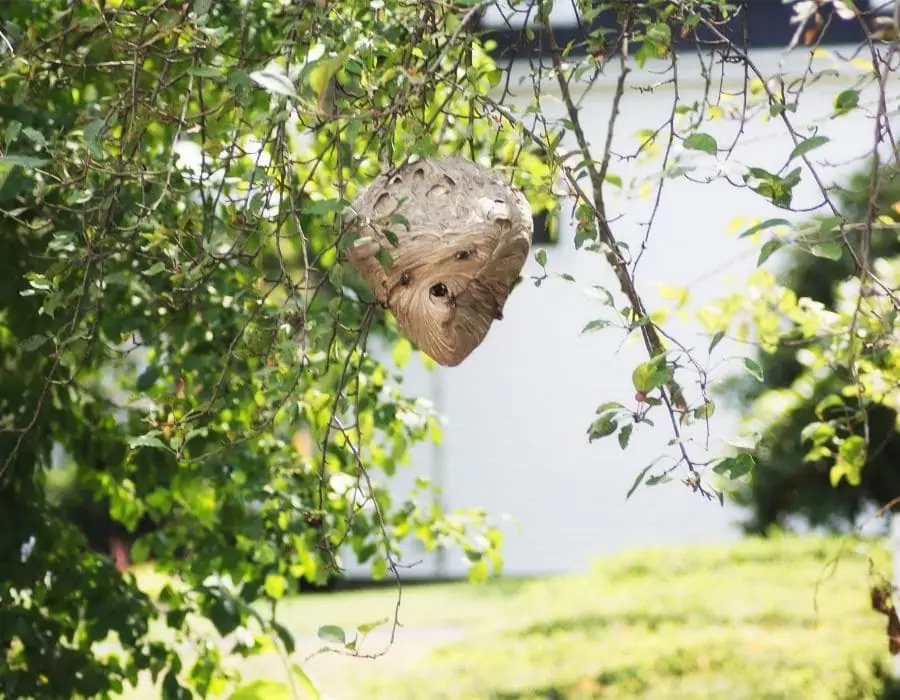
[784, 483]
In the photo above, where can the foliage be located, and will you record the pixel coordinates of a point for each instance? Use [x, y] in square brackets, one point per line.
[743, 620]
[175, 311]
[783, 483]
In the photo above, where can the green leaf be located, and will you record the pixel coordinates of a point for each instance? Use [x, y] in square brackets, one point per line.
[379, 568]
[792, 178]
[831, 250]
[402, 352]
[391, 237]
[659, 34]
[322, 74]
[807, 145]
[716, 339]
[306, 683]
[779, 190]
[384, 256]
[336, 276]
[768, 248]
[205, 72]
[39, 282]
[625, 435]
[768, 223]
[595, 325]
[172, 689]
[613, 179]
[202, 7]
[326, 206]
[830, 223]
[147, 378]
[702, 142]
[638, 480]
[851, 459]
[846, 101]
[284, 634]
[705, 411]
[836, 473]
[817, 432]
[238, 80]
[639, 323]
[603, 294]
[754, 369]
[541, 257]
[12, 131]
[33, 343]
[332, 633]
[478, 572]
[830, 401]
[735, 467]
[35, 136]
[397, 218]
[23, 161]
[643, 52]
[649, 375]
[140, 550]
[603, 426]
[852, 452]
[146, 441]
[223, 613]
[367, 627]
[275, 586]
[584, 232]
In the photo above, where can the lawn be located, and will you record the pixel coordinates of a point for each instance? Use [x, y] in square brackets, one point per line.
[745, 621]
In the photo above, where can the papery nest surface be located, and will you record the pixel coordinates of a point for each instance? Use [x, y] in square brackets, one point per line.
[457, 236]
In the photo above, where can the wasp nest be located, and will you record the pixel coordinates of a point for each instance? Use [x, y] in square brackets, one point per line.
[457, 236]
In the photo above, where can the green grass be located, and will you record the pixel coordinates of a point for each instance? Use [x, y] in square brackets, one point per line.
[745, 621]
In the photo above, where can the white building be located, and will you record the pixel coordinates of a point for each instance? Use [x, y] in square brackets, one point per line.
[517, 410]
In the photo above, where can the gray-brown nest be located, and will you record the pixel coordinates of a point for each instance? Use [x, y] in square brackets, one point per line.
[458, 236]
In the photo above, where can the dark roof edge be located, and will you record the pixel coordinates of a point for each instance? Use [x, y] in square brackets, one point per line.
[759, 24]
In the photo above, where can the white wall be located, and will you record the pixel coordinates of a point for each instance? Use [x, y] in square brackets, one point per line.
[518, 408]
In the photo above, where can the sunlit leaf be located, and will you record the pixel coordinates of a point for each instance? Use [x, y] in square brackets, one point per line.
[275, 586]
[274, 82]
[650, 375]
